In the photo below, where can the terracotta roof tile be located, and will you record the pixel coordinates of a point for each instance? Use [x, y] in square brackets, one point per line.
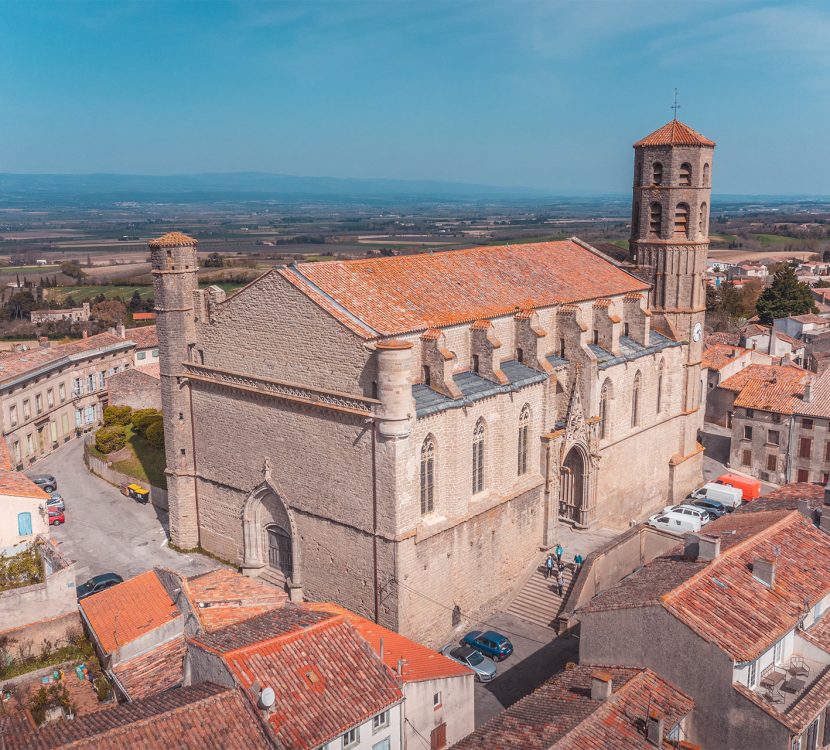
[768, 387]
[810, 318]
[154, 671]
[116, 619]
[674, 133]
[145, 337]
[561, 715]
[173, 239]
[17, 484]
[787, 497]
[223, 597]
[419, 662]
[326, 680]
[819, 404]
[721, 337]
[389, 296]
[717, 356]
[795, 343]
[204, 716]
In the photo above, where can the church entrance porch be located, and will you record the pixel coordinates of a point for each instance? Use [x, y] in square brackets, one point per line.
[572, 483]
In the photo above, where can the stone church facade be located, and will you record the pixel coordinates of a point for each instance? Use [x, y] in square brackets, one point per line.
[402, 435]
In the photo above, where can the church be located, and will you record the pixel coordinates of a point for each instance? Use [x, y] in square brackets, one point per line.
[403, 435]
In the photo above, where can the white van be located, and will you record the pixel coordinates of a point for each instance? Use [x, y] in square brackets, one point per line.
[675, 522]
[725, 494]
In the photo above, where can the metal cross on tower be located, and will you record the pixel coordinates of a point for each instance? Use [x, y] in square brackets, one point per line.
[675, 106]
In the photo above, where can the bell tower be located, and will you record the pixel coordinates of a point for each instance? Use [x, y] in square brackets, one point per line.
[670, 241]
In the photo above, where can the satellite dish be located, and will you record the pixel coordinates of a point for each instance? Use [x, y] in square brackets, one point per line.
[267, 698]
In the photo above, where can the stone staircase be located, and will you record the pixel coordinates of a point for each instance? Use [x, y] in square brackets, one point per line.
[538, 601]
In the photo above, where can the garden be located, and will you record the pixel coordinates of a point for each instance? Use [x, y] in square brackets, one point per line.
[133, 443]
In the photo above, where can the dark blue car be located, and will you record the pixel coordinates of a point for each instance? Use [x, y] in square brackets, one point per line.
[490, 643]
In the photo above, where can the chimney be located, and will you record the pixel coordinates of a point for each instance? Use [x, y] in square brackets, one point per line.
[764, 571]
[654, 728]
[601, 686]
[85, 333]
[380, 650]
[122, 331]
[808, 391]
[708, 547]
[43, 341]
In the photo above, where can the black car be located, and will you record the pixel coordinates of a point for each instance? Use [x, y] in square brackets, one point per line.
[712, 507]
[97, 583]
[46, 482]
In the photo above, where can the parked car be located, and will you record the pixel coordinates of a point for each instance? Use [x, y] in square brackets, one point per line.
[56, 517]
[46, 482]
[97, 583]
[490, 643]
[690, 510]
[730, 496]
[484, 668]
[749, 486]
[675, 523]
[56, 502]
[712, 507]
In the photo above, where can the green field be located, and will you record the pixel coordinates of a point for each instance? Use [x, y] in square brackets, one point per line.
[776, 239]
[12, 270]
[90, 291]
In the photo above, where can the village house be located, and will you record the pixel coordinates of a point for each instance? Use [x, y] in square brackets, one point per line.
[53, 392]
[73, 314]
[741, 611]
[592, 707]
[462, 414]
[146, 346]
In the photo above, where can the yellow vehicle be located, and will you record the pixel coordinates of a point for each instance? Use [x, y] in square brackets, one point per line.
[136, 492]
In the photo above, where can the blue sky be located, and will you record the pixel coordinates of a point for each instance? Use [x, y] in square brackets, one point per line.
[540, 94]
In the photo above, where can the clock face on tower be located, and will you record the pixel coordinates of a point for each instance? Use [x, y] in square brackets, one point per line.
[697, 331]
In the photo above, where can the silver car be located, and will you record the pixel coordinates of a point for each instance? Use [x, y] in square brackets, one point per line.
[56, 501]
[484, 667]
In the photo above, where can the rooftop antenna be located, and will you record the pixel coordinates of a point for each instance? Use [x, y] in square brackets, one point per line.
[675, 106]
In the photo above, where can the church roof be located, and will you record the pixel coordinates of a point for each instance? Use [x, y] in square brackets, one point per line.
[674, 133]
[389, 296]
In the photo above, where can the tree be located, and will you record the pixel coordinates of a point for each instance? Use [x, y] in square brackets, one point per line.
[112, 312]
[19, 307]
[784, 297]
[72, 269]
[135, 304]
[214, 260]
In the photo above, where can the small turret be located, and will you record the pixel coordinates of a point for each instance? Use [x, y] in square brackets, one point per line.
[395, 388]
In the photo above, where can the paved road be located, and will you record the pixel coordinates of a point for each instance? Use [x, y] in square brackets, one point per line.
[537, 655]
[716, 441]
[105, 531]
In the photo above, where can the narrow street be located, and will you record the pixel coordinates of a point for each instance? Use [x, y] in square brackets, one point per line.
[105, 531]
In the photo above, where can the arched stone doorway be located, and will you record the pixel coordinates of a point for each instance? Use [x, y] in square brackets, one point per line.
[573, 482]
[270, 539]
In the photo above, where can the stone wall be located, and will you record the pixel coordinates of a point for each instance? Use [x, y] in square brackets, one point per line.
[31, 639]
[136, 389]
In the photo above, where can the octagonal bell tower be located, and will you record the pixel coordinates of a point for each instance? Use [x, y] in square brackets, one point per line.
[670, 240]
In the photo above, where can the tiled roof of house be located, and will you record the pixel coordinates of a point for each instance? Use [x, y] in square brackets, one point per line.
[561, 715]
[145, 337]
[721, 600]
[41, 356]
[768, 387]
[755, 329]
[17, 484]
[154, 671]
[5, 456]
[389, 296]
[674, 133]
[278, 622]
[172, 239]
[144, 316]
[794, 343]
[819, 404]
[810, 318]
[717, 356]
[135, 377]
[721, 337]
[205, 716]
[419, 662]
[326, 679]
[787, 497]
[223, 597]
[115, 617]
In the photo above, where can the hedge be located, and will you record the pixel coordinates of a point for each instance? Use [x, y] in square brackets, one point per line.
[155, 434]
[111, 438]
[117, 415]
[143, 418]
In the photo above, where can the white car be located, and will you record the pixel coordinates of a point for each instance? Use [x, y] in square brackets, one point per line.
[690, 510]
[675, 522]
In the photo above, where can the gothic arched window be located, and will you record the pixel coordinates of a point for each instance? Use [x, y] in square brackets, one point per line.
[655, 222]
[428, 475]
[657, 173]
[478, 457]
[635, 219]
[605, 395]
[701, 221]
[681, 220]
[635, 401]
[524, 433]
[685, 175]
[660, 378]
[705, 175]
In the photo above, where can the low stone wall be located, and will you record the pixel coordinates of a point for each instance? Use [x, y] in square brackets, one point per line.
[101, 468]
[44, 635]
[608, 565]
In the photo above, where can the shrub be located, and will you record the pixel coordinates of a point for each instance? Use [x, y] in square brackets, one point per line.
[155, 434]
[119, 415]
[110, 439]
[143, 418]
[102, 688]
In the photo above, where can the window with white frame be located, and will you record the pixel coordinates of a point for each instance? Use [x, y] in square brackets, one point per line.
[77, 388]
[13, 415]
[27, 409]
[50, 398]
[30, 447]
[79, 417]
[752, 674]
[89, 414]
[101, 381]
[141, 355]
[381, 721]
[351, 738]
[90, 382]
[778, 652]
[62, 392]
[436, 699]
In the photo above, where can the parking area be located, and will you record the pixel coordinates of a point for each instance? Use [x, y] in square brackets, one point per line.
[537, 655]
[105, 531]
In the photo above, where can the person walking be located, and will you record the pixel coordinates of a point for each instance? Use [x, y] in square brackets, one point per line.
[560, 582]
[559, 552]
[548, 567]
[577, 563]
